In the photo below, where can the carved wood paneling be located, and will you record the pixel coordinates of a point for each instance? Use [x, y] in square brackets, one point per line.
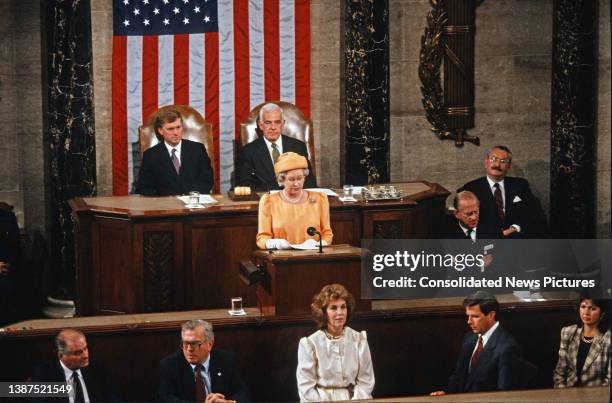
[388, 229]
[158, 267]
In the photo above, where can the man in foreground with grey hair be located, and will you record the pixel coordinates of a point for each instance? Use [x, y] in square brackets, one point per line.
[90, 382]
[199, 373]
[258, 157]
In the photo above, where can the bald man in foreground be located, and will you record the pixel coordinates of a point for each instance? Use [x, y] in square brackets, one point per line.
[90, 382]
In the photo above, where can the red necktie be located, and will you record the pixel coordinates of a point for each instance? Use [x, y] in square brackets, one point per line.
[499, 201]
[477, 352]
[199, 384]
[176, 162]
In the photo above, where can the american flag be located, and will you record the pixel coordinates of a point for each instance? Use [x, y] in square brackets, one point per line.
[221, 57]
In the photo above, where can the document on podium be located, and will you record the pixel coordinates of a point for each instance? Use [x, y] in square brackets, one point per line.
[308, 244]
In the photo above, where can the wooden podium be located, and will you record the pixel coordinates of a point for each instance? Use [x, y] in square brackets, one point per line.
[295, 276]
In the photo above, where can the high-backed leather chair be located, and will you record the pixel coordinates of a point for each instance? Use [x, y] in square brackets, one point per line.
[195, 128]
[296, 126]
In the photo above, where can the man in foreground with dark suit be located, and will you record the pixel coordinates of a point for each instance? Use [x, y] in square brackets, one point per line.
[174, 166]
[489, 358]
[258, 157]
[199, 373]
[90, 382]
[507, 202]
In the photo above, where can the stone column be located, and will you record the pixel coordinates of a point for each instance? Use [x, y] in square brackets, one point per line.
[366, 106]
[69, 126]
[573, 118]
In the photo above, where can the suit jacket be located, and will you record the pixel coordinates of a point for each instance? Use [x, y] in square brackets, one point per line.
[497, 367]
[255, 157]
[9, 237]
[10, 252]
[454, 231]
[100, 385]
[596, 369]
[159, 178]
[521, 207]
[177, 381]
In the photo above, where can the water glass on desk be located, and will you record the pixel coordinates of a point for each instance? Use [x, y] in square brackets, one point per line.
[194, 198]
[347, 191]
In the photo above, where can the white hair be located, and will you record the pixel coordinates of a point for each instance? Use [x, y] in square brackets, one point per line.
[280, 178]
[270, 106]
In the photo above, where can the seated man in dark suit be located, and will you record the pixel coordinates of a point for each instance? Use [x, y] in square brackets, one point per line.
[465, 224]
[507, 202]
[197, 372]
[175, 166]
[9, 262]
[90, 382]
[489, 358]
[258, 157]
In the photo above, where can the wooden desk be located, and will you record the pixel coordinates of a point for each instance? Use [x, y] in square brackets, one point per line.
[151, 254]
[414, 345]
[583, 395]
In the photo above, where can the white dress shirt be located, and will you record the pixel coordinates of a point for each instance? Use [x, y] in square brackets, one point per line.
[205, 373]
[177, 148]
[487, 336]
[68, 375]
[465, 231]
[503, 193]
[279, 147]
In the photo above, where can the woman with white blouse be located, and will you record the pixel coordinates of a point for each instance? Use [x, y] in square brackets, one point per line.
[334, 363]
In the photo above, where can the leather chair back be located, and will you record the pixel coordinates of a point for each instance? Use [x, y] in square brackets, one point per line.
[296, 126]
[195, 128]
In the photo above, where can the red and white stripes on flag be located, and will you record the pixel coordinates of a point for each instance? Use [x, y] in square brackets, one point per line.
[261, 52]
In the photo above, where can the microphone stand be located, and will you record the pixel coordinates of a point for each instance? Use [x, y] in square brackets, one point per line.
[260, 179]
[312, 231]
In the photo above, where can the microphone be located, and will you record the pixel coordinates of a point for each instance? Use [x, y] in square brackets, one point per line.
[254, 175]
[312, 231]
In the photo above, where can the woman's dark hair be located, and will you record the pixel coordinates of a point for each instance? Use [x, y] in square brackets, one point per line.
[327, 294]
[602, 304]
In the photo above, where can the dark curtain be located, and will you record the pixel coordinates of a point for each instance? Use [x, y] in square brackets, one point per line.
[69, 126]
[366, 75]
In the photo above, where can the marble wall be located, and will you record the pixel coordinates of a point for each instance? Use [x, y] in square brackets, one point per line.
[603, 124]
[102, 48]
[22, 177]
[512, 95]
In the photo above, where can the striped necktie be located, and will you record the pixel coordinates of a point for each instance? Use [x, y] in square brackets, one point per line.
[499, 202]
[275, 153]
[176, 162]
